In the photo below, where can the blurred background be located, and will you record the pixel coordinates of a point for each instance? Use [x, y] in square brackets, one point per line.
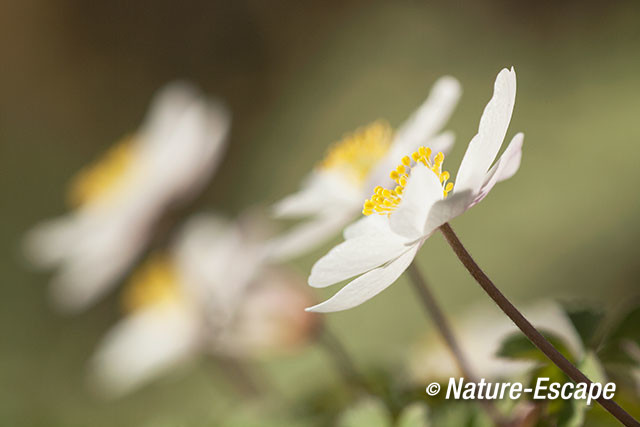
[76, 76]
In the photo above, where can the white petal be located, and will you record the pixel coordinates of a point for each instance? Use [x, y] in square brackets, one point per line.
[216, 261]
[96, 259]
[308, 235]
[367, 225]
[368, 285]
[420, 130]
[421, 192]
[356, 256]
[143, 346]
[169, 103]
[447, 209]
[506, 166]
[321, 191]
[48, 243]
[430, 117]
[441, 143]
[494, 122]
[185, 158]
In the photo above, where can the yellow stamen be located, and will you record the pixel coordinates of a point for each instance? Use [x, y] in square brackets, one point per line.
[384, 201]
[155, 282]
[357, 153]
[104, 178]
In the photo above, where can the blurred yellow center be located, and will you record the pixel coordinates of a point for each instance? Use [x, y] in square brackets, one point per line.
[104, 178]
[384, 201]
[155, 282]
[357, 153]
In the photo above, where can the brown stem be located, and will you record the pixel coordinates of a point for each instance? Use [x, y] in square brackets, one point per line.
[527, 328]
[433, 310]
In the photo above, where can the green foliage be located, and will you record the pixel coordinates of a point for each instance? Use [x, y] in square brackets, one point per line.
[414, 415]
[369, 412]
[586, 322]
[518, 347]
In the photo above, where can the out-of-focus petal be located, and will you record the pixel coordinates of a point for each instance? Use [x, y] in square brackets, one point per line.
[142, 346]
[308, 235]
[421, 192]
[368, 285]
[189, 153]
[321, 191]
[216, 262]
[494, 122]
[429, 118]
[356, 256]
[272, 317]
[47, 243]
[167, 106]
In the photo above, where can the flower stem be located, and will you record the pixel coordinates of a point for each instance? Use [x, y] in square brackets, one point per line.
[240, 376]
[433, 310]
[527, 328]
[341, 359]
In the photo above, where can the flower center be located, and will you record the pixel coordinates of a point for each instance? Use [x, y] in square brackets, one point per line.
[155, 282]
[384, 201]
[357, 153]
[103, 179]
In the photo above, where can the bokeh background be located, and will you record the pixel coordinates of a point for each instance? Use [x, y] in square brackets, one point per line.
[75, 76]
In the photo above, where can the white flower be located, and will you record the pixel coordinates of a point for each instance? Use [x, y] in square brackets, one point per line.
[211, 294]
[332, 194]
[481, 332]
[379, 247]
[117, 201]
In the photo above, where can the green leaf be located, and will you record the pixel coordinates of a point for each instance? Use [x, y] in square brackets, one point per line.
[369, 412]
[624, 334]
[573, 412]
[414, 415]
[518, 347]
[586, 322]
[628, 328]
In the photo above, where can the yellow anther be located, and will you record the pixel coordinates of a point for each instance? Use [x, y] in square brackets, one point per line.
[448, 187]
[155, 282]
[384, 201]
[103, 179]
[357, 153]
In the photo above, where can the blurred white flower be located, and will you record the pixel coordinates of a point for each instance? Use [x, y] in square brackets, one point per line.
[381, 246]
[117, 200]
[211, 294]
[481, 331]
[332, 194]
